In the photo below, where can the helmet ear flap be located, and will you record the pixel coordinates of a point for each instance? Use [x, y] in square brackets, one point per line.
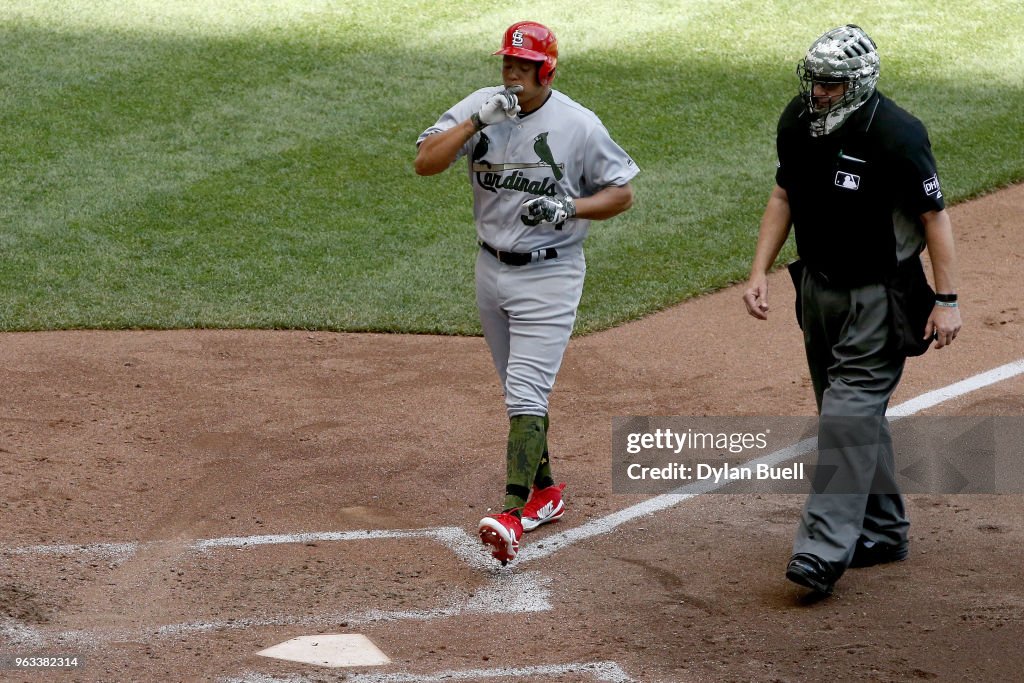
[546, 73]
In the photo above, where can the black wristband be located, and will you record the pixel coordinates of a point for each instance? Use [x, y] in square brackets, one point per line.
[946, 298]
[478, 125]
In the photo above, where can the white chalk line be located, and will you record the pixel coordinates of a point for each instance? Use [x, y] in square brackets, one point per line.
[505, 593]
[957, 389]
[455, 538]
[501, 596]
[100, 550]
[608, 672]
[16, 633]
[519, 593]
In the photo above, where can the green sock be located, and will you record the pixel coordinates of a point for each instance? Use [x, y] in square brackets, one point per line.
[544, 477]
[526, 438]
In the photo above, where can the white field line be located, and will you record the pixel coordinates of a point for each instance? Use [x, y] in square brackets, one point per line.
[604, 525]
[608, 672]
[454, 538]
[934, 398]
[506, 593]
[114, 551]
[13, 632]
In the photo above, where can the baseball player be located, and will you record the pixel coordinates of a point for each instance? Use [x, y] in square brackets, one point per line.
[857, 180]
[541, 167]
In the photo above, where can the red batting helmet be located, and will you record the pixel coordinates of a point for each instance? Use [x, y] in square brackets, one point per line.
[533, 41]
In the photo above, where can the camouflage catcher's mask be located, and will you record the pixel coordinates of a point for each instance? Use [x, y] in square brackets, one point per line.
[843, 55]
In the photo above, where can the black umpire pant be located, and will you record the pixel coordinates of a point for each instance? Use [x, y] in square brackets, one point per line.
[854, 374]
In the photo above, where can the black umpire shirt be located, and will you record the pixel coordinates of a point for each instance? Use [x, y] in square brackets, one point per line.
[857, 194]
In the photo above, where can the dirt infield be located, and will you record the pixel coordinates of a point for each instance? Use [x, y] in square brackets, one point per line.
[155, 485]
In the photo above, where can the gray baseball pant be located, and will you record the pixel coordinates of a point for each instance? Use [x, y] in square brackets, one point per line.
[527, 313]
[854, 375]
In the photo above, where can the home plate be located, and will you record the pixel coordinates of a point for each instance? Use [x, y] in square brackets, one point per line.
[351, 649]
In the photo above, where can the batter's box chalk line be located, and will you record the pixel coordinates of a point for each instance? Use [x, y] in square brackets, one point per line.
[605, 672]
[505, 592]
[17, 634]
[470, 551]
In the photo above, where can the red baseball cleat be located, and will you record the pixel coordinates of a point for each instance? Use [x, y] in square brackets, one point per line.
[545, 505]
[502, 532]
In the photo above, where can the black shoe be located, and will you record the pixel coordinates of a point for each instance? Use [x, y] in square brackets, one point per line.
[870, 553]
[811, 571]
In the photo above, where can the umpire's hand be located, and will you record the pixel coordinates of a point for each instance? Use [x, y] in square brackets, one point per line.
[944, 323]
[756, 297]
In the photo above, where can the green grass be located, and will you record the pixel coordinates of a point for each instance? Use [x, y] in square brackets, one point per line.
[239, 164]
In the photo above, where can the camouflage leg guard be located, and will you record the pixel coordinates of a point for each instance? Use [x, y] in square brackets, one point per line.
[527, 436]
[544, 477]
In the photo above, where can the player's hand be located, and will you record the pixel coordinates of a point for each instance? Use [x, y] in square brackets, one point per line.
[500, 106]
[549, 210]
[756, 297]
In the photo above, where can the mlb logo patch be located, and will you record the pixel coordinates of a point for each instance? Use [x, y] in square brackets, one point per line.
[847, 181]
[931, 186]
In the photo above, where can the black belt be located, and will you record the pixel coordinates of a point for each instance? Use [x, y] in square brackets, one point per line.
[847, 280]
[515, 258]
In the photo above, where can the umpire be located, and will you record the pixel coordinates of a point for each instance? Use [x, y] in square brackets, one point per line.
[857, 181]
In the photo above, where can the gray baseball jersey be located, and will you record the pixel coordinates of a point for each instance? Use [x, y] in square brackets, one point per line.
[560, 149]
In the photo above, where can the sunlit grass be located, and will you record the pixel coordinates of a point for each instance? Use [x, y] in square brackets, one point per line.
[248, 164]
